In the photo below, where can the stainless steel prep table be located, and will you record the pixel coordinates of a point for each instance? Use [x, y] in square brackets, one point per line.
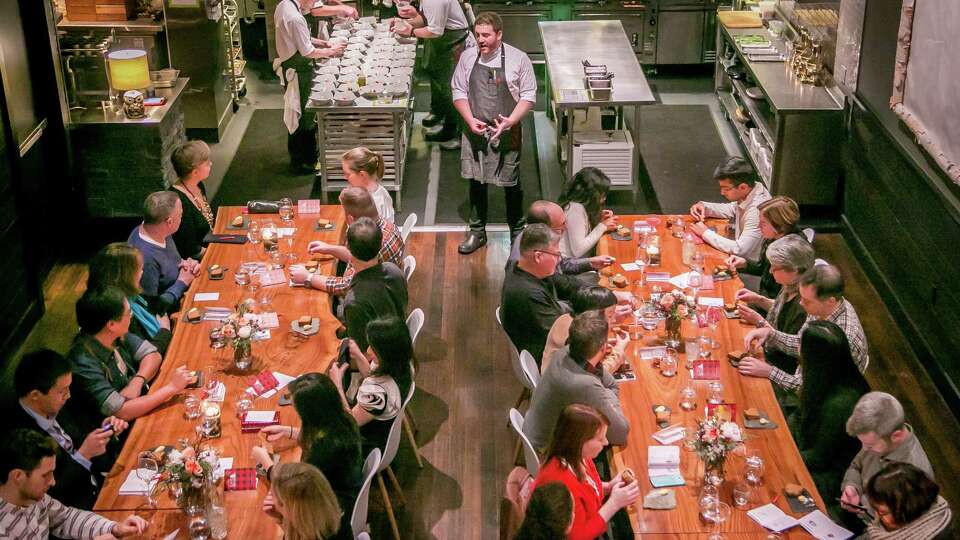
[565, 45]
[381, 127]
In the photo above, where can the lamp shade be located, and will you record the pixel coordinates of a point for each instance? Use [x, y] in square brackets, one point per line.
[128, 69]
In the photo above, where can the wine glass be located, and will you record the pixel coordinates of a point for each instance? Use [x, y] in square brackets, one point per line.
[291, 233]
[147, 470]
[695, 281]
[714, 315]
[717, 514]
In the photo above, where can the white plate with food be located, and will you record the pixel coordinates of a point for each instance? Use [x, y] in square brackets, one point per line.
[371, 92]
[344, 98]
[322, 98]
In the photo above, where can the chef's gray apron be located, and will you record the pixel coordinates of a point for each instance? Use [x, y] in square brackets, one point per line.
[302, 143]
[489, 97]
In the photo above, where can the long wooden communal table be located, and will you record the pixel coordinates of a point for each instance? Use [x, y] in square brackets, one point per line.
[782, 462]
[284, 352]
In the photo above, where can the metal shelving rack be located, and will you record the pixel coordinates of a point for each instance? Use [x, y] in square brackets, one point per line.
[236, 80]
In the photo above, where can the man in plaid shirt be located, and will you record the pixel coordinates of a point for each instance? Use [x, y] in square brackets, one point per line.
[357, 203]
[821, 295]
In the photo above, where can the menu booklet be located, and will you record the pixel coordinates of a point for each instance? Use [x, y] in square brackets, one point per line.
[663, 466]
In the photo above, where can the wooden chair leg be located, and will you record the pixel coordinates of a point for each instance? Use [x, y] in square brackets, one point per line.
[396, 486]
[413, 442]
[386, 503]
[411, 420]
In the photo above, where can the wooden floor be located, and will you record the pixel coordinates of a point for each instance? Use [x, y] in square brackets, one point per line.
[465, 385]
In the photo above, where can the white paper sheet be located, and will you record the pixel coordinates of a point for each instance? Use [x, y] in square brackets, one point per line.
[710, 301]
[772, 517]
[206, 297]
[133, 485]
[821, 527]
[630, 267]
[260, 417]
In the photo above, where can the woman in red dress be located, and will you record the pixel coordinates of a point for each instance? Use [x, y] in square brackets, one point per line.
[579, 437]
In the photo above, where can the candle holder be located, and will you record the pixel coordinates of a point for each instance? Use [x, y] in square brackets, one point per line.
[211, 419]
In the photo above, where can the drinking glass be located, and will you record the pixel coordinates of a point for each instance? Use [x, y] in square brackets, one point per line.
[715, 395]
[704, 347]
[714, 314]
[269, 235]
[668, 366]
[147, 470]
[691, 351]
[286, 209]
[217, 340]
[753, 468]
[199, 528]
[290, 241]
[217, 520]
[191, 405]
[253, 232]
[649, 317]
[243, 405]
[688, 398]
[709, 495]
[718, 513]
[678, 227]
[696, 262]
[690, 437]
[741, 494]
[695, 281]
[254, 284]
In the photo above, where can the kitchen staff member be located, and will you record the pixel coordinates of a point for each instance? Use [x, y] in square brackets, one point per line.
[494, 87]
[296, 50]
[444, 26]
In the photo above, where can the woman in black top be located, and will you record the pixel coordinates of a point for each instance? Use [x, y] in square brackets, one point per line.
[789, 257]
[329, 438]
[832, 385]
[191, 162]
[779, 217]
[387, 373]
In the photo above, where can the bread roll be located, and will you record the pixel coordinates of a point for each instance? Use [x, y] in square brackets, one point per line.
[305, 320]
[793, 490]
[619, 280]
[736, 356]
[194, 314]
[628, 476]
[323, 223]
[663, 416]
[237, 221]
[752, 413]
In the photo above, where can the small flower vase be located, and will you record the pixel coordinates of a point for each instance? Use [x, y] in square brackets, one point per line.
[190, 499]
[242, 354]
[672, 336]
[713, 473]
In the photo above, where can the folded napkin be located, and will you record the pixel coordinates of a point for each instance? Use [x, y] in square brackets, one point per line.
[660, 499]
[133, 485]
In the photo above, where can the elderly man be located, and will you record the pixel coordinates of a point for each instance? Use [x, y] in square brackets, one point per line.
[821, 295]
[357, 203]
[744, 191]
[550, 214]
[112, 367]
[576, 375]
[494, 87]
[878, 421]
[27, 463]
[166, 275]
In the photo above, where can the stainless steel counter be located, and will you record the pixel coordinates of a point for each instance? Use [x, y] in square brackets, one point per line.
[155, 115]
[566, 43]
[139, 25]
[783, 90]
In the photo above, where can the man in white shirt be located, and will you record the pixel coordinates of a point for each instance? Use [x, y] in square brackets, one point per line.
[444, 27]
[296, 50]
[494, 87]
[739, 185]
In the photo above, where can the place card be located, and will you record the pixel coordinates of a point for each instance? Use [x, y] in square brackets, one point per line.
[206, 297]
[649, 353]
[710, 301]
[669, 435]
[259, 417]
[630, 267]
[269, 320]
[308, 206]
[272, 277]
[658, 276]
[133, 485]
[772, 517]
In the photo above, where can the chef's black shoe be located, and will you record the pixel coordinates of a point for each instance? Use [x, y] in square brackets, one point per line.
[431, 120]
[441, 135]
[474, 241]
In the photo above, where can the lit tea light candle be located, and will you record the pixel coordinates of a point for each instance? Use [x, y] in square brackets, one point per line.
[211, 419]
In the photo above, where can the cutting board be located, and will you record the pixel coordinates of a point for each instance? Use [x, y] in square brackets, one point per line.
[740, 19]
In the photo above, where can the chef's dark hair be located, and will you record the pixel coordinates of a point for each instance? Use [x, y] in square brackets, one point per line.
[737, 170]
[489, 18]
[364, 239]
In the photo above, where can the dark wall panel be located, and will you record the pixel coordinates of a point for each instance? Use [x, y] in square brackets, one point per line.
[902, 212]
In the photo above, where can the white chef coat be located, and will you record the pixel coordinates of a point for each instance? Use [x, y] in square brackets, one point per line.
[293, 32]
[520, 78]
[441, 15]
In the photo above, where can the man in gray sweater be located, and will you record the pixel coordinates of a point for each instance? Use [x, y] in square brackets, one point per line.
[576, 375]
[878, 421]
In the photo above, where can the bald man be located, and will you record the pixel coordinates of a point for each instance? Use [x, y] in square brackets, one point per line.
[550, 214]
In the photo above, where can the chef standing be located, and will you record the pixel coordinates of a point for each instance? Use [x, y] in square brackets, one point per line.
[296, 50]
[443, 26]
[494, 87]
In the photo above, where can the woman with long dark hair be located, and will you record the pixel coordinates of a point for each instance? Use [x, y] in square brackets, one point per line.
[387, 372]
[579, 437]
[582, 201]
[827, 399]
[549, 514]
[908, 505]
[120, 265]
[328, 436]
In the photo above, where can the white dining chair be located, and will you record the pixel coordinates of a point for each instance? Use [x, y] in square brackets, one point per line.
[531, 373]
[408, 225]
[809, 234]
[530, 456]
[516, 365]
[409, 265]
[358, 519]
[390, 452]
[415, 324]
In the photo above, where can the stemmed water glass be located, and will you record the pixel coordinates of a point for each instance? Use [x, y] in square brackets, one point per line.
[695, 281]
[291, 233]
[714, 314]
[717, 513]
[147, 470]
[649, 317]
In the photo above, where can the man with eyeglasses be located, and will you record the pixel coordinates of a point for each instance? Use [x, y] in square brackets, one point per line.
[111, 366]
[551, 214]
[533, 292]
[744, 192]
